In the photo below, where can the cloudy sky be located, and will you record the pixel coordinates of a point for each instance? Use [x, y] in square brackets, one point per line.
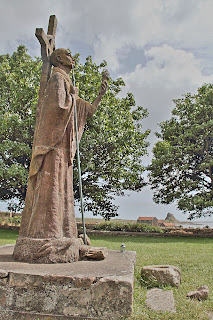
[161, 48]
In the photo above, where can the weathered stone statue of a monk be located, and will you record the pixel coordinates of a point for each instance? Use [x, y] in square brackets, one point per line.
[48, 230]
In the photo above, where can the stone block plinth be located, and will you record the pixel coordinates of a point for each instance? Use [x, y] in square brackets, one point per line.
[162, 275]
[80, 290]
[160, 300]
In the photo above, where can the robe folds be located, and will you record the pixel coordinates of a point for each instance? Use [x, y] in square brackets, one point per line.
[49, 203]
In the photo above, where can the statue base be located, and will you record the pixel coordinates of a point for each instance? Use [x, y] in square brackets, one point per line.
[82, 290]
[34, 250]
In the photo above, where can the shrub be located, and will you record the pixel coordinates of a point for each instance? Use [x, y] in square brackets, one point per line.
[10, 221]
[131, 227]
[16, 220]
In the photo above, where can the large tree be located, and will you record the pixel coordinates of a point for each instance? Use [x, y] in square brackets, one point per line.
[19, 78]
[111, 148]
[182, 166]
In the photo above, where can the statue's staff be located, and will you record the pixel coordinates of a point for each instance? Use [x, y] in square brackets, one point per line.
[79, 162]
[105, 77]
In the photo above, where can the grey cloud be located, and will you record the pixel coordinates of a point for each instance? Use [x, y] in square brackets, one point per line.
[107, 27]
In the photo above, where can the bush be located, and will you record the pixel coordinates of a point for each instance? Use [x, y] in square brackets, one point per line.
[5, 214]
[10, 221]
[131, 227]
[16, 220]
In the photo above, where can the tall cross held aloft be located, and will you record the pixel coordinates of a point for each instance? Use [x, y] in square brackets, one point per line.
[47, 47]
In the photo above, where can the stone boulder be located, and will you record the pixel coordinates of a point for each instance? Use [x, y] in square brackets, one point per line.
[162, 275]
[202, 293]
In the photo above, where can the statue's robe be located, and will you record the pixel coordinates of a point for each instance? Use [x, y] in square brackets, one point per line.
[49, 203]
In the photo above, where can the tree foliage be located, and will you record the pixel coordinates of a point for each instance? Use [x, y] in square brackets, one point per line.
[19, 78]
[111, 148]
[182, 166]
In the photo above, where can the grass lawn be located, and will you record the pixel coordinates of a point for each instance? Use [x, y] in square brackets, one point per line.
[8, 236]
[194, 257]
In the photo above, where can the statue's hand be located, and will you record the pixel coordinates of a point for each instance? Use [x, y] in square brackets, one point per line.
[103, 87]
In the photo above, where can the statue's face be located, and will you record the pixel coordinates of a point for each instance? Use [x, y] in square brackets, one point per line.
[65, 58]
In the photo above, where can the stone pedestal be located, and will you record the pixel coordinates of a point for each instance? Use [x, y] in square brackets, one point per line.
[81, 290]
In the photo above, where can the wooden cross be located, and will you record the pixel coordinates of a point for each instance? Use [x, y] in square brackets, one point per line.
[47, 41]
[47, 47]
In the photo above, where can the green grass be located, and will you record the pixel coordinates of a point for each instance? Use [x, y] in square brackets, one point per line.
[194, 256]
[8, 236]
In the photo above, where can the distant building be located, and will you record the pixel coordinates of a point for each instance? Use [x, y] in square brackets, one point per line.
[166, 224]
[148, 220]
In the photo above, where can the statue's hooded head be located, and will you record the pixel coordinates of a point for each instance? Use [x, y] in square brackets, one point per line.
[62, 57]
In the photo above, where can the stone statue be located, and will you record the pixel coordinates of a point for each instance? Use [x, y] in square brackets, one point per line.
[48, 231]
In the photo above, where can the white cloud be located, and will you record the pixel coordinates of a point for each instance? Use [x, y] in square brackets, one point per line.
[115, 25]
[167, 74]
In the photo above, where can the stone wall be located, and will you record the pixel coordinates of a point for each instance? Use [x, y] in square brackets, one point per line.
[170, 232]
